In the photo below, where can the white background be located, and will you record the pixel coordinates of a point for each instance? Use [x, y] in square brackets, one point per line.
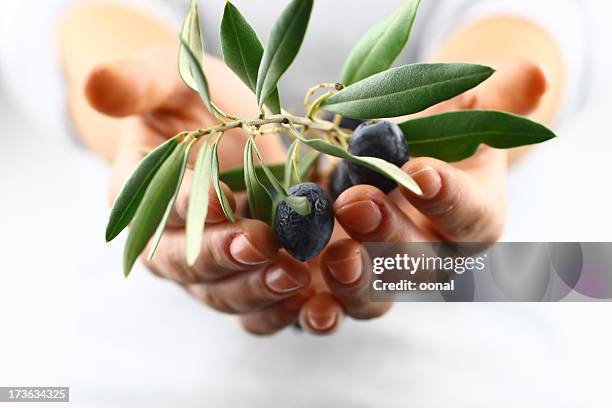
[67, 317]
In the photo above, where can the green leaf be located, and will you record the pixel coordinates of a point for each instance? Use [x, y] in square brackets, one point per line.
[234, 178]
[405, 90]
[151, 210]
[284, 43]
[198, 203]
[292, 174]
[373, 163]
[381, 45]
[191, 35]
[225, 204]
[242, 51]
[272, 180]
[455, 136]
[130, 197]
[201, 83]
[307, 162]
[301, 205]
[162, 225]
[260, 201]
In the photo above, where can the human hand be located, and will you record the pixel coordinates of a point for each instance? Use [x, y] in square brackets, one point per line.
[223, 282]
[462, 202]
[240, 269]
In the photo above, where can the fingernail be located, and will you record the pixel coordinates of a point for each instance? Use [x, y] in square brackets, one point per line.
[279, 281]
[243, 251]
[362, 217]
[346, 271]
[429, 180]
[321, 322]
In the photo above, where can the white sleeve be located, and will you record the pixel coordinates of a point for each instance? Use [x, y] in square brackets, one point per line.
[567, 21]
[29, 65]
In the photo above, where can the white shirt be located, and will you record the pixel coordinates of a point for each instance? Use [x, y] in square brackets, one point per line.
[143, 342]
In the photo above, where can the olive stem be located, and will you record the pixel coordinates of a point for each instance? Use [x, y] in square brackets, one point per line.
[314, 89]
[321, 125]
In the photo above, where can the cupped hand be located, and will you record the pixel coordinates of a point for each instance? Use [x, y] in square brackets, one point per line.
[241, 269]
[461, 202]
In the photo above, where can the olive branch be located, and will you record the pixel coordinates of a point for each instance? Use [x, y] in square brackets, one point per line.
[369, 88]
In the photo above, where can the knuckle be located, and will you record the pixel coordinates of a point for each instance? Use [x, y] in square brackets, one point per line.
[205, 295]
[259, 295]
[177, 269]
[448, 202]
[481, 225]
[213, 260]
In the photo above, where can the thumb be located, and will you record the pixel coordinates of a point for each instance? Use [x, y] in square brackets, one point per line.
[515, 88]
[458, 206]
[136, 84]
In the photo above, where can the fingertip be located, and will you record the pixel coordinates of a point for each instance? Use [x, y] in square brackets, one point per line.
[300, 271]
[427, 174]
[357, 193]
[342, 264]
[363, 211]
[321, 315]
[109, 91]
[360, 205]
[261, 236]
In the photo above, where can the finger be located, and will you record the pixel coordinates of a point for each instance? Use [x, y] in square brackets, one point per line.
[245, 245]
[368, 215]
[132, 85]
[248, 292]
[458, 207]
[277, 317]
[516, 88]
[343, 269]
[215, 212]
[321, 314]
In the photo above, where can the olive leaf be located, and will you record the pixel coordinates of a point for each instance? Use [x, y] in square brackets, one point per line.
[214, 173]
[260, 200]
[300, 204]
[292, 174]
[201, 83]
[455, 136]
[242, 51]
[133, 190]
[198, 203]
[234, 178]
[153, 206]
[373, 163]
[272, 180]
[191, 36]
[307, 162]
[283, 45]
[405, 90]
[381, 45]
[162, 225]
